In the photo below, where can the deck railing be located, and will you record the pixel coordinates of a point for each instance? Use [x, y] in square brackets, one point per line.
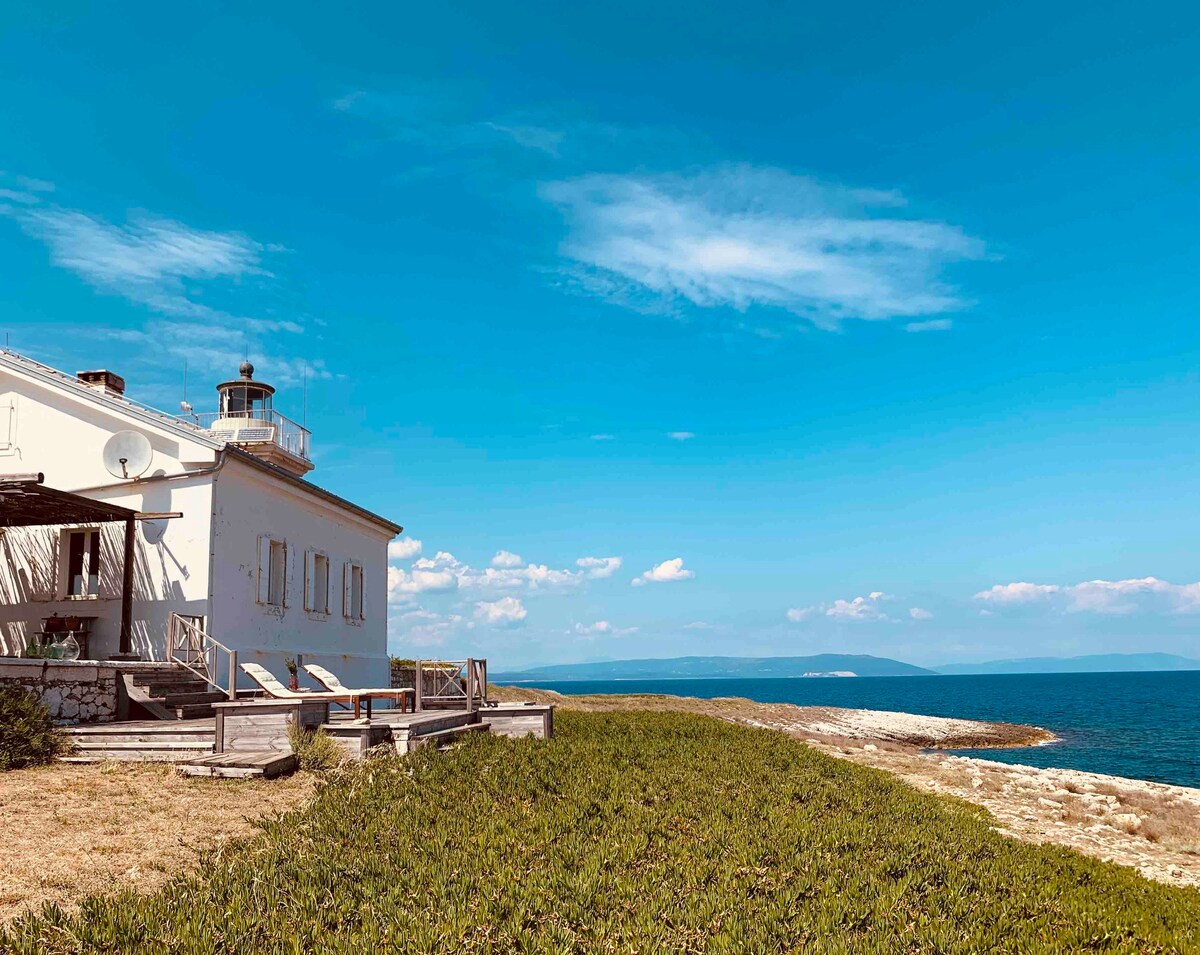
[438, 684]
[191, 647]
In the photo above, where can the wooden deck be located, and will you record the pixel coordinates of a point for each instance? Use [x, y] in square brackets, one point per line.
[189, 740]
[167, 741]
[242, 765]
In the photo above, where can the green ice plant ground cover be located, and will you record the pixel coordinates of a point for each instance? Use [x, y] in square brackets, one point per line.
[631, 832]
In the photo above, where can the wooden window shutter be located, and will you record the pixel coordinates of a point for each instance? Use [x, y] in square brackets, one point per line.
[264, 569]
[42, 545]
[347, 589]
[311, 601]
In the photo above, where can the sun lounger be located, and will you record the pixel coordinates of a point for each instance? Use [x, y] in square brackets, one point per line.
[266, 679]
[334, 685]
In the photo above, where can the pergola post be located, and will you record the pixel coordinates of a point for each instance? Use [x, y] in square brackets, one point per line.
[125, 650]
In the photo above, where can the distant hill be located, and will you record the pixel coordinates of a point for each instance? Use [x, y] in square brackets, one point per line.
[678, 668]
[1094, 663]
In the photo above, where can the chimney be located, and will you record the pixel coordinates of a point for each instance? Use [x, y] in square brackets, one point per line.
[107, 382]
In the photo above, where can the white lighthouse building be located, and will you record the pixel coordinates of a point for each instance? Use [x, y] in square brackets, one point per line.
[204, 516]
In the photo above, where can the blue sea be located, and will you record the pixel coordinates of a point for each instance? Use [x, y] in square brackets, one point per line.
[1140, 725]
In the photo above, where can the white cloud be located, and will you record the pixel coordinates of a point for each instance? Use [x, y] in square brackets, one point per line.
[667, 571]
[505, 612]
[601, 628]
[860, 608]
[505, 558]
[697, 625]
[680, 435]
[444, 571]
[919, 613]
[423, 628]
[933, 325]
[405, 548]
[402, 583]
[599, 567]
[1017, 593]
[1113, 597]
[741, 236]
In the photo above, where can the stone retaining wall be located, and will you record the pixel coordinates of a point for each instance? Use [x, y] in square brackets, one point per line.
[74, 691]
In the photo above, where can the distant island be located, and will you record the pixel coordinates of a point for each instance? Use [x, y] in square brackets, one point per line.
[835, 665]
[681, 668]
[1092, 663]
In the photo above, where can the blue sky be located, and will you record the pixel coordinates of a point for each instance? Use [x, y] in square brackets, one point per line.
[804, 328]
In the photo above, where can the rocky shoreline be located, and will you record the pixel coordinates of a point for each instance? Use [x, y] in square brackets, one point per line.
[1152, 827]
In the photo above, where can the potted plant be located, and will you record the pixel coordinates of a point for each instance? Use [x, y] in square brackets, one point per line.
[293, 673]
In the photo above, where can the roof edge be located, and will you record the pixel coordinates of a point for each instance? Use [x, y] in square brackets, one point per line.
[23, 364]
[247, 458]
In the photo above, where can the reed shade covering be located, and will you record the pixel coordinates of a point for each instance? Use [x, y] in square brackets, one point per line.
[26, 502]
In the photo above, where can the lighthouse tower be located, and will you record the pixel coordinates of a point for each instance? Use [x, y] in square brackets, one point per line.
[247, 419]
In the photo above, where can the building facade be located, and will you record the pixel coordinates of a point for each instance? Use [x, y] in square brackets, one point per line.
[231, 535]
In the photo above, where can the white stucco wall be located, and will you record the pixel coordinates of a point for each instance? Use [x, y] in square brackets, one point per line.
[204, 563]
[250, 504]
[62, 434]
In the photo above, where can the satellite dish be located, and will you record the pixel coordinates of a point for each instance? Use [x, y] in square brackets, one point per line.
[127, 455]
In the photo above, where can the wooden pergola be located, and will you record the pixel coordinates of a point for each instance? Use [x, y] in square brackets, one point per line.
[26, 502]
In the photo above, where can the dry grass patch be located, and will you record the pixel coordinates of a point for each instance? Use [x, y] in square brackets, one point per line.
[72, 830]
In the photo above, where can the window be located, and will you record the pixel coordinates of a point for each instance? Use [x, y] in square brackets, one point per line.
[316, 582]
[352, 598]
[83, 563]
[8, 425]
[272, 572]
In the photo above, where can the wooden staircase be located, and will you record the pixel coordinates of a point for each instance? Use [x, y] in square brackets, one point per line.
[171, 694]
[144, 741]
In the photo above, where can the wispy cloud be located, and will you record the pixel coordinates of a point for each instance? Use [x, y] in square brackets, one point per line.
[741, 236]
[175, 272]
[147, 260]
[919, 613]
[1114, 597]
[531, 137]
[681, 435]
[932, 325]
[447, 120]
[666, 572]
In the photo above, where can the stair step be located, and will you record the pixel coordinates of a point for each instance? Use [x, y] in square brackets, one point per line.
[166, 688]
[132, 756]
[199, 696]
[192, 711]
[163, 746]
[141, 738]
